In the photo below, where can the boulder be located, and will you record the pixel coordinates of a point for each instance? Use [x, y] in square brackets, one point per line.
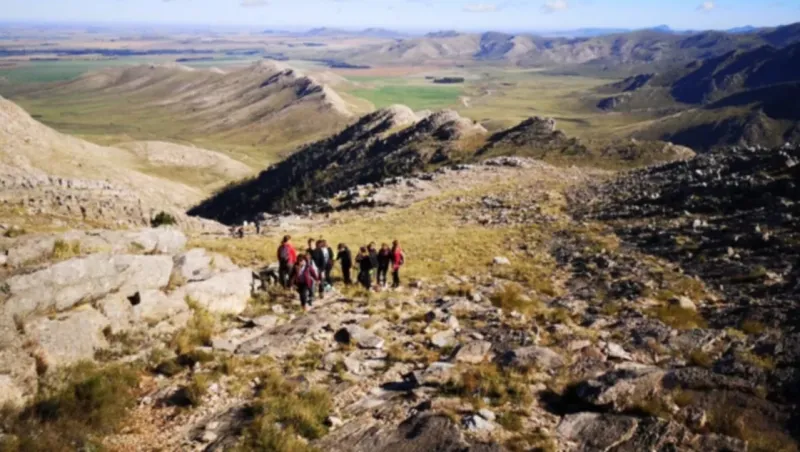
[158, 240]
[683, 303]
[437, 373]
[65, 284]
[354, 334]
[445, 338]
[500, 260]
[595, 431]
[475, 423]
[533, 357]
[153, 306]
[615, 351]
[193, 265]
[622, 389]
[224, 293]
[474, 352]
[70, 337]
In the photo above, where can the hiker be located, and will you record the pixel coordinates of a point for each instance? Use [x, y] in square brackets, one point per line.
[373, 254]
[364, 267]
[310, 249]
[345, 258]
[384, 260]
[257, 222]
[287, 257]
[323, 260]
[398, 260]
[304, 277]
[329, 260]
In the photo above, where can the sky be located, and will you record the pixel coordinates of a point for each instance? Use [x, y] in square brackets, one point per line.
[501, 15]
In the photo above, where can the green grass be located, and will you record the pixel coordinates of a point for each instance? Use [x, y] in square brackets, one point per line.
[59, 71]
[415, 96]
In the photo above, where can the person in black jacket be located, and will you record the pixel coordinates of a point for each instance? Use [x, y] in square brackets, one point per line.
[329, 257]
[364, 268]
[345, 258]
[384, 260]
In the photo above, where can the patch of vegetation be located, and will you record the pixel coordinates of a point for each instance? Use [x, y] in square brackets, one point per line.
[197, 332]
[65, 250]
[283, 413]
[14, 232]
[416, 97]
[488, 381]
[511, 298]
[761, 435]
[762, 362]
[700, 358]
[511, 420]
[677, 317]
[537, 440]
[162, 219]
[753, 327]
[74, 411]
[196, 389]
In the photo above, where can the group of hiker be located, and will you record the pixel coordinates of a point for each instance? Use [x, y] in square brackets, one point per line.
[313, 269]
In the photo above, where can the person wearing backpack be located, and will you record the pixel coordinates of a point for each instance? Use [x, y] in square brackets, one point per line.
[345, 258]
[287, 257]
[384, 260]
[398, 260]
[305, 276]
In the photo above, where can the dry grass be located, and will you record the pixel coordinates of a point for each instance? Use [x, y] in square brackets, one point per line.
[511, 298]
[677, 317]
[64, 250]
[197, 332]
[488, 381]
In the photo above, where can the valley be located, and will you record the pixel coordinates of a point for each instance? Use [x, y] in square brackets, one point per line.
[599, 231]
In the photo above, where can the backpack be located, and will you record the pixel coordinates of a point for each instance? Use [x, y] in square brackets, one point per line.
[402, 258]
[283, 254]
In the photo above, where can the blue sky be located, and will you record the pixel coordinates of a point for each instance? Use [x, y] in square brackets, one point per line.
[416, 14]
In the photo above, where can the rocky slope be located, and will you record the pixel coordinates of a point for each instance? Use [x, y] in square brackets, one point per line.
[50, 174]
[267, 103]
[744, 98]
[389, 142]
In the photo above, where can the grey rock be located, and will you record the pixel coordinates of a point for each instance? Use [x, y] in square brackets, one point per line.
[265, 321]
[499, 260]
[354, 334]
[18, 378]
[63, 285]
[70, 337]
[593, 431]
[533, 357]
[683, 303]
[474, 352]
[442, 339]
[193, 265]
[615, 351]
[487, 414]
[623, 388]
[159, 240]
[475, 423]
[224, 293]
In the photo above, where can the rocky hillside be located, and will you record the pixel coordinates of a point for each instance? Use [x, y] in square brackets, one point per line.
[48, 174]
[539, 138]
[267, 103]
[389, 142]
[740, 98]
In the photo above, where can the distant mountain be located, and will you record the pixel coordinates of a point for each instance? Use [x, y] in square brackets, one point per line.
[744, 97]
[745, 29]
[339, 32]
[658, 48]
[267, 103]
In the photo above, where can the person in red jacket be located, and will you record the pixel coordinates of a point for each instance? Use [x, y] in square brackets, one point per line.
[304, 277]
[287, 257]
[398, 260]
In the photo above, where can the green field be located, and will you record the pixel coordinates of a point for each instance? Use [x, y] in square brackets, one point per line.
[416, 97]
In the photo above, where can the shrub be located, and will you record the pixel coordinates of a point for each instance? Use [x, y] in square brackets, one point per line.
[197, 332]
[677, 317]
[162, 219]
[510, 298]
[75, 412]
[489, 381]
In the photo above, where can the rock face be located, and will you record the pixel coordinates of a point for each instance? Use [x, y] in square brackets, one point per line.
[67, 283]
[63, 313]
[366, 152]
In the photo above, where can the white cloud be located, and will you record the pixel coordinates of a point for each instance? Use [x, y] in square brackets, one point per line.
[481, 8]
[707, 6]
[552, 6]
[253, 3]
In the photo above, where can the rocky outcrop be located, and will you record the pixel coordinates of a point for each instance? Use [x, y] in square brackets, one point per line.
[368, 151]
[54, 315]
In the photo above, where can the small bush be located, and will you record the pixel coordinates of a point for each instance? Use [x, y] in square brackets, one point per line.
[14, 232]
[65, 250]
[753, 327]
[489, 381]
[197, 332]
[511, 298]
[677, 317]
[282, 412]
[196, 389]
[75, 412]
[700, 358]
[511, 421]
[162, 219]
